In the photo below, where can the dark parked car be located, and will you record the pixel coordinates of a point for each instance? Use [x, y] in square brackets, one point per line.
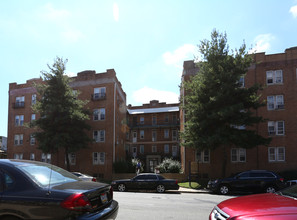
[146, 181]
[36, 190]
[281, 205]
[248, 181]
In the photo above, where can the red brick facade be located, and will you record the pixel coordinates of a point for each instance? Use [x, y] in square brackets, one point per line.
[153, 136]
[278, 74]
[106, 98]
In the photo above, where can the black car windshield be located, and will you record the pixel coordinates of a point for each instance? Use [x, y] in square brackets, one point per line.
[47, 174]
[291, 192]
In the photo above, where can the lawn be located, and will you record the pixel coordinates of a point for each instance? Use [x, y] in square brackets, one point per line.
[194, 185]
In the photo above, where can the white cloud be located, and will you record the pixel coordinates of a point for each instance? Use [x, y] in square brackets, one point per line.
[181, 54]
[146, 94]
[262, 43]
[293, 10]
[116, 13]
[50, 13]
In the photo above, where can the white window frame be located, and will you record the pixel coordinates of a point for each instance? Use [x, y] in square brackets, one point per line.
[141, 134]
[72, 158]
[32, 139]
[203, 156]
[174, 150]
[18, 139]
[154, 135]
[19, 120]
[275, 154]
[33, 99]
[275, 102]
[239, 154]
[141, 120]
[99, 136]
[276, 127]
[154, 149]
[99, 114]
[174, 135]
[141, 149]
[166, 133]
[274, 77]
[99, 93]
[18, 156]
[32, 156]
[98, 158]
[166, 148]
[33, 117]
[46, 158]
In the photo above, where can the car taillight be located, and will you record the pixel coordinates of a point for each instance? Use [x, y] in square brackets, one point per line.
[176, 182]
[77, 202]
[281, 179]
[94, 179]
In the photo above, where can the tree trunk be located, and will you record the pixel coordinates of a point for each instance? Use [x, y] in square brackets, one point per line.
[224, 165]
[67, 159]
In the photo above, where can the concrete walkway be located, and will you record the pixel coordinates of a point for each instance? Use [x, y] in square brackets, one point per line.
[190, 190]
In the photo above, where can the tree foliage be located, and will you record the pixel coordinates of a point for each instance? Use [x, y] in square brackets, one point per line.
[62, 123]
[216, 105]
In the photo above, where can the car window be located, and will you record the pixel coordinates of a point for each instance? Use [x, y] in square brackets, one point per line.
[161, 177]
[152, 177]
[140, 177]
[243, 175]
[8, 181]
[45, 175]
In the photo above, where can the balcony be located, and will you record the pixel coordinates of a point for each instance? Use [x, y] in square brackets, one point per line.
[98, 96]
[19, 105]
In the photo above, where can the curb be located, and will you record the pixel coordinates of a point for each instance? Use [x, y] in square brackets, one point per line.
[189, 190]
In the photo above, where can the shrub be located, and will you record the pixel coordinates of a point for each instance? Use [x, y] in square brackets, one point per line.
[169, 165]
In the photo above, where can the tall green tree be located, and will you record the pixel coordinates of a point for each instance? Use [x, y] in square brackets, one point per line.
[62, 124]
[216, 104]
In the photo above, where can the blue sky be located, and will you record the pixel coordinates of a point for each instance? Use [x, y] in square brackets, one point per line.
[145, 42]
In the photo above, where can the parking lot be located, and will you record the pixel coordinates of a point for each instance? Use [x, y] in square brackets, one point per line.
[170, 205]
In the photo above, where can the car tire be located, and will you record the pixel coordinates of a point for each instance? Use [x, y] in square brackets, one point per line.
[270, 189]
[122, 187]
[224, 189]
[160, 188]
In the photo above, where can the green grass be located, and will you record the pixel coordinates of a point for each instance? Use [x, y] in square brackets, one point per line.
[194, 185]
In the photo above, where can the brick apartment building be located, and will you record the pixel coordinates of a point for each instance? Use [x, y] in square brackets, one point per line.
[107, 101]
[153, 135]
[278, 74]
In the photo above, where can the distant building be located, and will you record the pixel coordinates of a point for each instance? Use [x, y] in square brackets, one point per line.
[154, 133]
[278, 74]
[107, 101]
[3, 147]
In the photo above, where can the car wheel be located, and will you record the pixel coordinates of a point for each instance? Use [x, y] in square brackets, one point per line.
[160, 188]
[224, 189]
[270, 189]
[122, 187]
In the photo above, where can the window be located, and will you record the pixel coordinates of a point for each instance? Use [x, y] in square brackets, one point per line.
[32, 156]
[275, 102]
[166, 118]
[276, 154]
[241, 82]
[141, 134]
[33, 100]
[19, 120]
[174, 150]
[274, 77]
[32, 139]
[276, 127]
[166, 148]
[33, 117]
[134, 151]
[20, 101]
[154, 135]
[174, 119]
[141, 149]
[166, 133]
[46, 158]
[99, 114]
[154, 120]
[154, 149]
[141, 120]
[98, 158]
[238, 155]
[18, 156]
[174, 135]
[18, 139]
[99, 136]
[203, 156]
[99, 93]
[72, 158]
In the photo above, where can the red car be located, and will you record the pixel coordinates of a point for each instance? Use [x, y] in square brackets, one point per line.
[269, 206]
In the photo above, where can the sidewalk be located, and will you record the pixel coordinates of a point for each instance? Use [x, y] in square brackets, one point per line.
[189, 190]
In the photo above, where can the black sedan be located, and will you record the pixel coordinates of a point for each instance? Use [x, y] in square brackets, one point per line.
[36, 190]
[146, 181]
